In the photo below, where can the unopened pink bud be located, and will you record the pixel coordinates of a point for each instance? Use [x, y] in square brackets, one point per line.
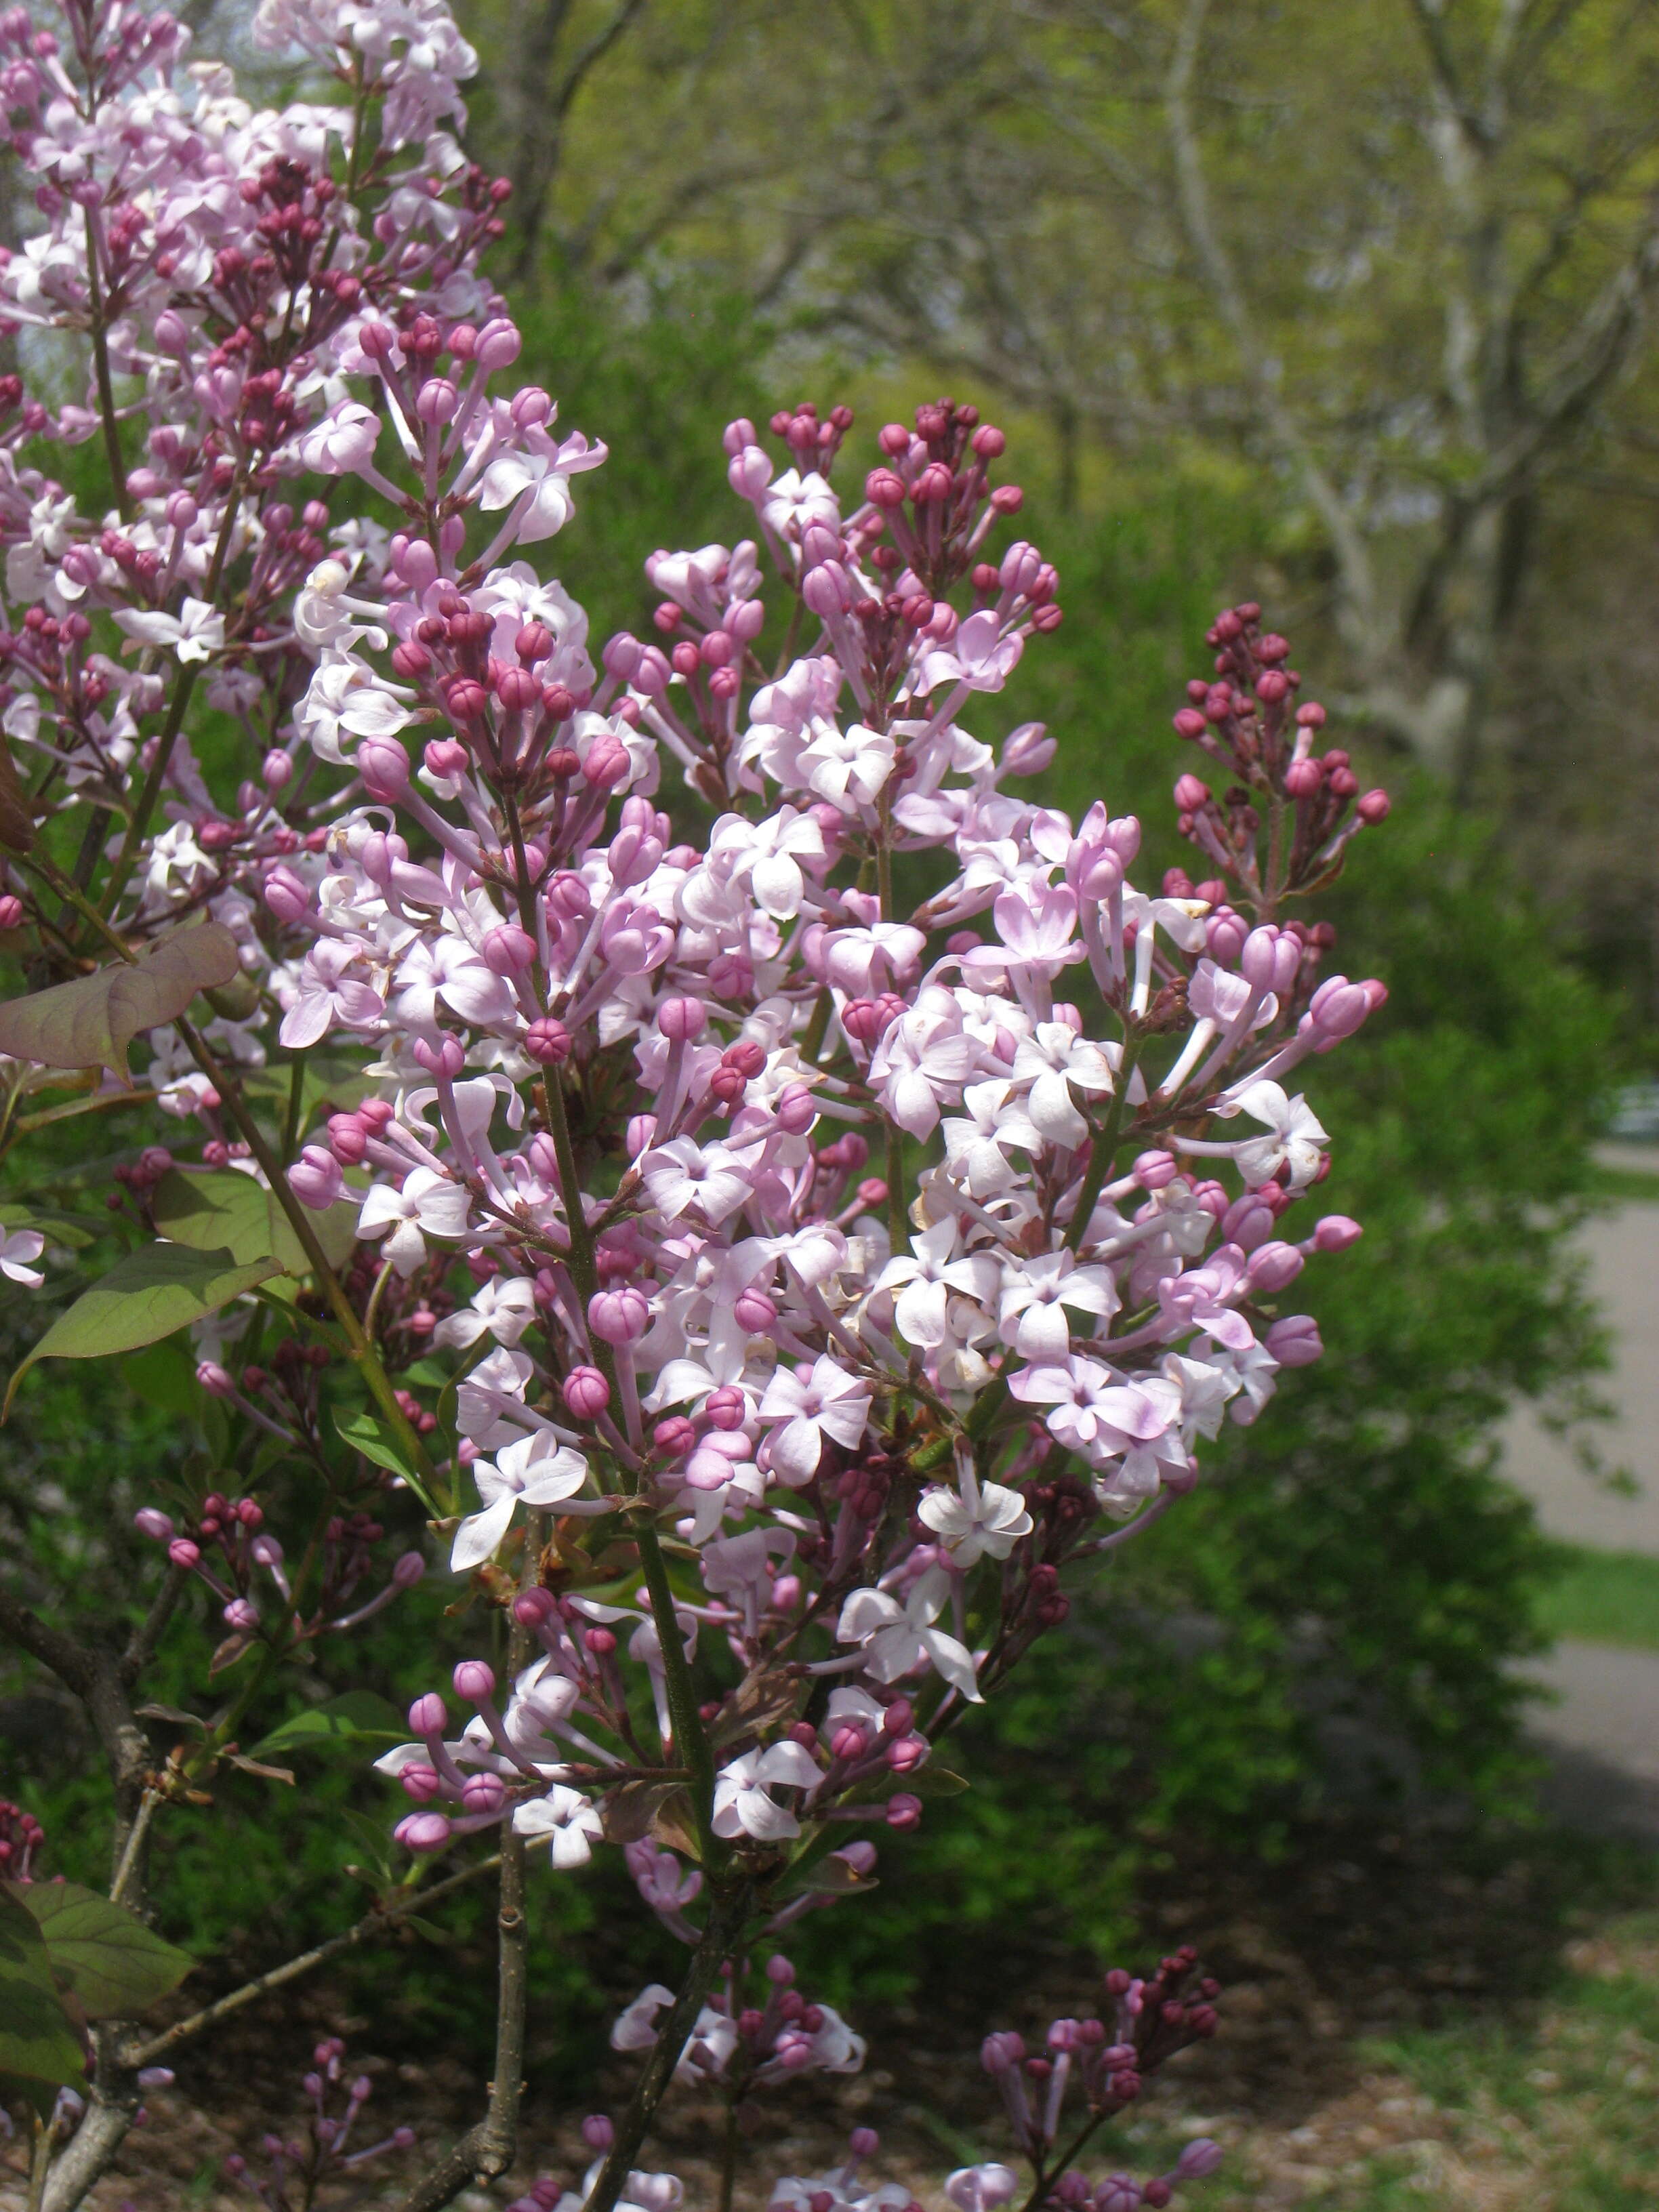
[315, 1178]
[620, 1317]
[587, 1394]
[1335, 1233]
[214, 1379]
[547, 1042]
[149, 1521]
[498, 345]
[475, 1680]
[428, 1716]
[1273, 1267]
[755, 1311]
[1374, 808]
[726, 1407]
[384, 767]
[682, 1019]
[422, 1832]
[1294, 1341]
[1340, 1008]
[598, 2133]
[508, 950]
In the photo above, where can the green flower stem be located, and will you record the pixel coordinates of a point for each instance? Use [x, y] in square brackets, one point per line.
[1103, 1150]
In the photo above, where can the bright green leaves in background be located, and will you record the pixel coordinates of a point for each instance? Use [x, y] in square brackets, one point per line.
[68, 1956]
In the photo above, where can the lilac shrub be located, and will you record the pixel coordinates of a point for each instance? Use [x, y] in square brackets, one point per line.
[760, 1249]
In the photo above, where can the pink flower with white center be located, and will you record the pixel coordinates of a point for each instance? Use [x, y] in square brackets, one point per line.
[446, 968]
[345, 699]
[846, 767]
[18, 1247]
[1055, 1060]
[1202, 1298]
[1036, 1292]
[712, 2042]
[565, 1821]
[1036, 924]
[429, 1204]
[1294, 1137]
[684, 1174]
[503, 1307]
[328, 995]
[826, 1403]
[920, 1059]
[792, 504]
[537, 1471]
[1093, 1413]
[861, 961]
[742, 1803]
[1206, 1387]
[899, 1639]
[974, 1142]
[831, 2047]
[342, 441]
[977, 1519]
[769, 856]
[979, 655]
[928, 1274]
[537, 473]
[193, 633]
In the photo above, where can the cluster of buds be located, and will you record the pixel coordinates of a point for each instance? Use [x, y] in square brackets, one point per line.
[1107, 2060]
[1309, 803]
[21, 1837]
[297, 2167]
[225, 1545]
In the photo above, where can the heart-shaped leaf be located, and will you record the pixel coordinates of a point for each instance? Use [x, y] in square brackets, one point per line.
[359, 1717]
[142, 1298]
[106, 1956]
[224, 1211]
[40, 2052]
[91, 1022]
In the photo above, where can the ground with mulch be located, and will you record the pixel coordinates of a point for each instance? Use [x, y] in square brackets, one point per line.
[1406, 2019]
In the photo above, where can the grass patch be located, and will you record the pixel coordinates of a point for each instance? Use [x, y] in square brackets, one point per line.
[1639, 1183]
[1605, 1597]
[1560, 2111]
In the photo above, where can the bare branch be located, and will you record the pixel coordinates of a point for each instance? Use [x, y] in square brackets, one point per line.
[1353, 556]
[383, 1916]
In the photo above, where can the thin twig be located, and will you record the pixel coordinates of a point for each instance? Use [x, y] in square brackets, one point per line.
[372, 1924]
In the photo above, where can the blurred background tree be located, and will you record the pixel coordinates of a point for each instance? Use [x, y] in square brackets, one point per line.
[1396, 262]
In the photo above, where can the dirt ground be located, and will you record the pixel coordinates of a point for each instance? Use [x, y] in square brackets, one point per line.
[1364, 1937]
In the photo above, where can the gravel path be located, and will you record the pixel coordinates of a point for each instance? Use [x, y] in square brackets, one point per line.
[1602, 1732]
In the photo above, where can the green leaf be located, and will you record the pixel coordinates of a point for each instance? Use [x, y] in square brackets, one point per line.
[103, 1954]
[40, 2052]
[142, 1298]
[359, 1717]
[374, 1437]
[91, 1022]
[164, 1375]
[223, 1211]
[930, 1781]
[65, 1229]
